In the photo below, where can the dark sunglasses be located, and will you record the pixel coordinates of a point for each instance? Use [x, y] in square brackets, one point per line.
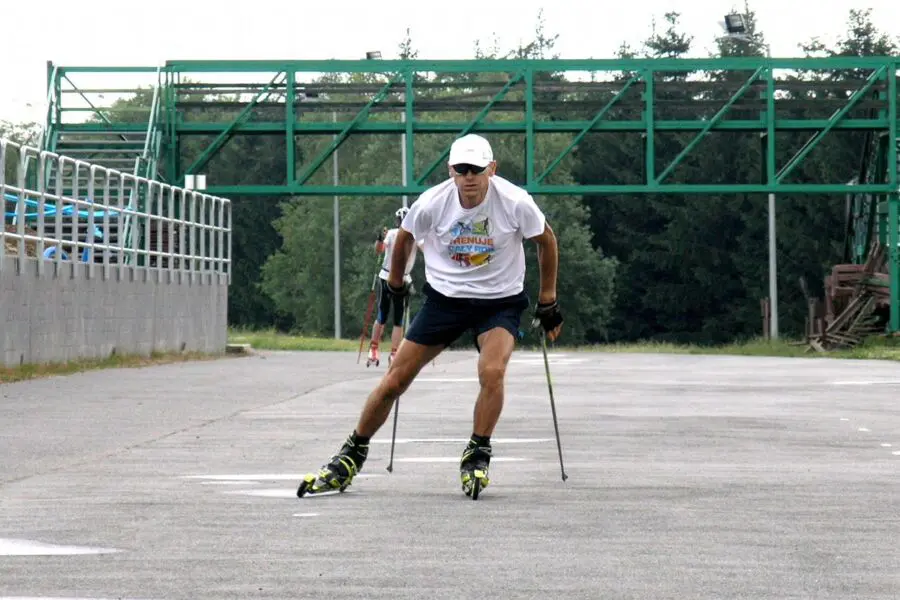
[465, 169]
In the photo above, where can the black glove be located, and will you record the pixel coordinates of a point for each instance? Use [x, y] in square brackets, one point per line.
[399, 292]
[381, 235]
[547, 316]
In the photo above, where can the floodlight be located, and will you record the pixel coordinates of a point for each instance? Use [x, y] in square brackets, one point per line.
[735, 24]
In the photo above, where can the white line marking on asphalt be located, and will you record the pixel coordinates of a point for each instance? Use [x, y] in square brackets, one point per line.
[452, 459]
[17, 547]
[330, 493]
[459, 440]
[886, 445]
[306, 514]
[445, 380]
[896, 452]
[867, 382]
[258, 477]
[229, 482]
[552, 361]
[844, 419]
[863, 429]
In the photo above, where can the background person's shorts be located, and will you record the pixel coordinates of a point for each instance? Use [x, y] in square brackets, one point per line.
[442, 320]
[384, 305]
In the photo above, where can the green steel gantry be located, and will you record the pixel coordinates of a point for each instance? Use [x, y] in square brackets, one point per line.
[186, 111]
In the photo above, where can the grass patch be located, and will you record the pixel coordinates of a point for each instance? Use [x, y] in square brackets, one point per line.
[876, 348]
[37, 371]
[273, 340]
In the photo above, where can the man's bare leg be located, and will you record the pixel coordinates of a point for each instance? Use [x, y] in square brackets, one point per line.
[338, 474]
[496, 348]
[410, 359]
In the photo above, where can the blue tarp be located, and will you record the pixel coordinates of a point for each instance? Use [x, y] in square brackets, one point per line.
[50, 209]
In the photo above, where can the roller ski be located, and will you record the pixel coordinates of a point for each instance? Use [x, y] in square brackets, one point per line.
[373, 358]
[473, 469]
[338, 474]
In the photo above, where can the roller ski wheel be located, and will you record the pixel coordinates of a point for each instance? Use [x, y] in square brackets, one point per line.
[473, 470]
[373, 358]
[336, 476]
[474, 482]
[313, 485]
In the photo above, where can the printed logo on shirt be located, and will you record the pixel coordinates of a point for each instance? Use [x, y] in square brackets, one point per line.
[472, 244]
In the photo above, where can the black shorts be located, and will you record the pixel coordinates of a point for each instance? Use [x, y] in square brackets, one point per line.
[384, 305]
[442, 320]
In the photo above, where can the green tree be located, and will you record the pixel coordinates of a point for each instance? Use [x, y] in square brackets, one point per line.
[298, 276]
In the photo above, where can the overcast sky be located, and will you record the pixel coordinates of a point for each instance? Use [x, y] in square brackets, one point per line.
[119, 33]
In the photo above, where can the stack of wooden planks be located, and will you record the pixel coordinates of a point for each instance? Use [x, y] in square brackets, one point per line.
[853, 293]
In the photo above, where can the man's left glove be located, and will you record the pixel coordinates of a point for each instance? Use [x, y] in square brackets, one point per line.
[398, 292]
[548, 316]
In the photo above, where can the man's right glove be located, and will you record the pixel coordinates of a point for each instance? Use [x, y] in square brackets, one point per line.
[399, 292]
[548, 316]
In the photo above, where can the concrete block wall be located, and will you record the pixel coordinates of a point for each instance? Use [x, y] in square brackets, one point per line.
[69, 312]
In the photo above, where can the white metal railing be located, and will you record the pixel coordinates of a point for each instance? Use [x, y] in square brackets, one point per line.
[83, 217]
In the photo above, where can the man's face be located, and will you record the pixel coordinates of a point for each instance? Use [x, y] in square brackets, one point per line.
[472, 181]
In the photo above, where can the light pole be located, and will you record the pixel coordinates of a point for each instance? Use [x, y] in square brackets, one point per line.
[337, 223]
[403, 157]
[736, 29]
[337, 240]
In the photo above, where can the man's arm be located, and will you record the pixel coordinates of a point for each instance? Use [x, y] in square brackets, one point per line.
[403, 245]
[548, 263]
[547, 310]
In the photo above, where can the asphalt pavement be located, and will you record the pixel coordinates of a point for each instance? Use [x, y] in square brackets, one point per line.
[689, 477]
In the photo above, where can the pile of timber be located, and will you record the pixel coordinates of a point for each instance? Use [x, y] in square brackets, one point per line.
[853, 293]
[11, 245]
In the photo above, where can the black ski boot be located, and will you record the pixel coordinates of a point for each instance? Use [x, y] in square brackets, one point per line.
[473, 469]
[339, 473]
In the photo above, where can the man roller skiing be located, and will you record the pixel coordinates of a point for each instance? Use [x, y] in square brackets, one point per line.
[386, 243]
[471, 228]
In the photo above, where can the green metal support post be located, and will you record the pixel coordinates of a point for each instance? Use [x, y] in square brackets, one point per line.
[529, 126]
[290, 116]
[892, 171]
[409, 125]
[649, 131]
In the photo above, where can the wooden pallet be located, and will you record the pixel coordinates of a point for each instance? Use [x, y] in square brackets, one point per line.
[852, 294]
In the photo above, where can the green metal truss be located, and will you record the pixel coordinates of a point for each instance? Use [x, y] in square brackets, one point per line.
[762, 95]
[651, 100]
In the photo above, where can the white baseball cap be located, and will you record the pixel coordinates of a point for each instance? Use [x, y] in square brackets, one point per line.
[471, 150]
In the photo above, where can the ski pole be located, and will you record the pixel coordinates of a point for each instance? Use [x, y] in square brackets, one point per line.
[552, 403]
[390, 467]
[365, 327]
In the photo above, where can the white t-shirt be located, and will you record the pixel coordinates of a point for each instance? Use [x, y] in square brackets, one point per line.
[477, 252]
[389, 240]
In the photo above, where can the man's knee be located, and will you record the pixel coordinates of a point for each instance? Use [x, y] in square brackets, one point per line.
[398, 378]
[492, 374]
